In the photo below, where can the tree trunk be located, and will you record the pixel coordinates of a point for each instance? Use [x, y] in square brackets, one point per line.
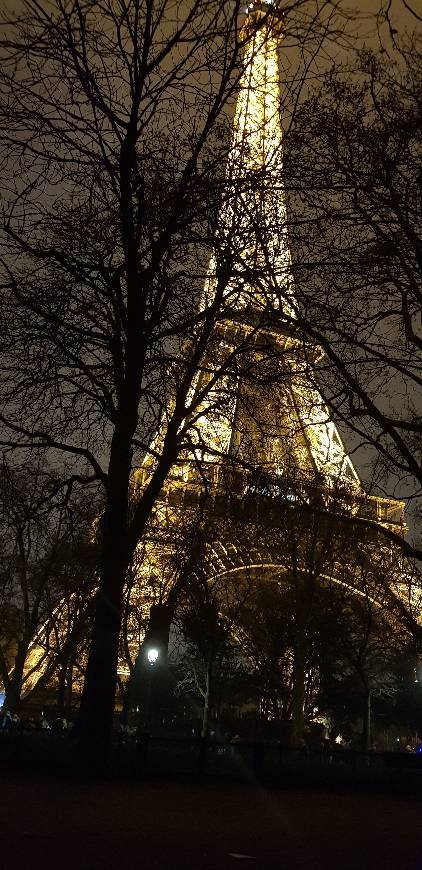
[95, 720]
[366, 731]
[207, 703]
[97, 705]
[61, 691]
[12, 699]
[128, 700]
[68, 694]
[13, 688]
[298, 691]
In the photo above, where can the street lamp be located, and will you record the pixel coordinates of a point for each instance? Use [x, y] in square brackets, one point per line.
[152, 655]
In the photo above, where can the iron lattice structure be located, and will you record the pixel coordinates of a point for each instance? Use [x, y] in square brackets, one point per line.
[262, 439]
[263, 435]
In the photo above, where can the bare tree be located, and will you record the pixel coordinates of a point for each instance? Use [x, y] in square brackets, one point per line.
[305, 536]
[304, 541]
[354, 176]
[208, 617]
[114, 121]
[368, 635]
[47, 560]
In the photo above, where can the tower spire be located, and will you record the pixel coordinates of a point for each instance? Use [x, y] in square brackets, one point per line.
[283, 425]
[252, 225]
[257, 138]
[254, 220]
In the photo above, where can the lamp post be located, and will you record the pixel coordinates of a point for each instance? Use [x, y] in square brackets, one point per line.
[153, 650]
[152, 657]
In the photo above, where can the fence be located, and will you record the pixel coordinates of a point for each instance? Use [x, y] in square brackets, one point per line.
[161, 758]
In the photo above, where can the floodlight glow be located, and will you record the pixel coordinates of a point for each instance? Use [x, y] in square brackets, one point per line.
[152, 655]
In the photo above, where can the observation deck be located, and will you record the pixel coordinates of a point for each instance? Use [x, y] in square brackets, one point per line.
[232, 489]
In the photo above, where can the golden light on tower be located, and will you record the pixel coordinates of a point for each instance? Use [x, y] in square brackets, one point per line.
[257, 128]
[254, 214]
[289, 428]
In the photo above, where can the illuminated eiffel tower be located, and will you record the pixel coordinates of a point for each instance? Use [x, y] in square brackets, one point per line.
[266, 433]
[259, 430]
[262, 432]
[277, 430]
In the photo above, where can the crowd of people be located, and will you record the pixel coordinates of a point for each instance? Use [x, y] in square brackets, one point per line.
[13, 722]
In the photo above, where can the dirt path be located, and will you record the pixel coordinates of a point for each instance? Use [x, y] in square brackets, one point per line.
[85, 827]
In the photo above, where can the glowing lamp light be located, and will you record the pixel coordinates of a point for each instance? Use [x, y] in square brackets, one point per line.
[251, 6]
[152, 655]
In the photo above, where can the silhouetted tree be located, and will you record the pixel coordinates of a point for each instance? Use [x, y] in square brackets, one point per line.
[47, 567]
[354, 175]
[114, 140]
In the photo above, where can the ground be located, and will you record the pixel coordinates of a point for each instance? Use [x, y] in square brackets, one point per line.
[47, 824]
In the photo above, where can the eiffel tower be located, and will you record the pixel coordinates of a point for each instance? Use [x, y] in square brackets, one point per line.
[259, 437]
[263, 434]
